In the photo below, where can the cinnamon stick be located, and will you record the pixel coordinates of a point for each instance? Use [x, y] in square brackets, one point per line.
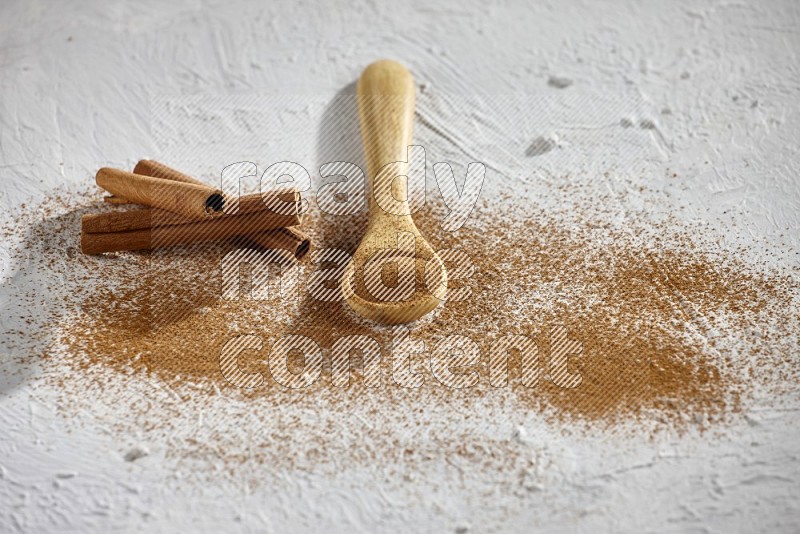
[290, 239]
[188, 199]
[148, 167]
[139, 219]
[246, 203]
[183, 234]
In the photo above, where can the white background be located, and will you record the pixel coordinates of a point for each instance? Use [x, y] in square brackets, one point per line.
[708, 91]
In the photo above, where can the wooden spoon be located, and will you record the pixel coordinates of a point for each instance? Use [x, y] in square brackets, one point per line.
[385, 95]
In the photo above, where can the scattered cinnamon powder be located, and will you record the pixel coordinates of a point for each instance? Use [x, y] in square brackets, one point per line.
[641, 315]
[673, 336]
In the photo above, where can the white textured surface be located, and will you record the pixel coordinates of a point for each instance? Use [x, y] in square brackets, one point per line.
[705, 90]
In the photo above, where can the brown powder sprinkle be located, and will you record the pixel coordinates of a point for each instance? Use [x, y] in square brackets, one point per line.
[674, 335]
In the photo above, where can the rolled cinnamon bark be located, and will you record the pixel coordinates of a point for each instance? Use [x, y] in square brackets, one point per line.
[290, 239]
[183, 234]
[139, 219]
[148, 167]
[188, 199]
[246, 203]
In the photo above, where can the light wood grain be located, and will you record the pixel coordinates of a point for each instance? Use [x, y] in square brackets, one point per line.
[386, 93]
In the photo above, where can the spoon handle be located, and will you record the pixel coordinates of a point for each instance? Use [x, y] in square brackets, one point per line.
[385, 93]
